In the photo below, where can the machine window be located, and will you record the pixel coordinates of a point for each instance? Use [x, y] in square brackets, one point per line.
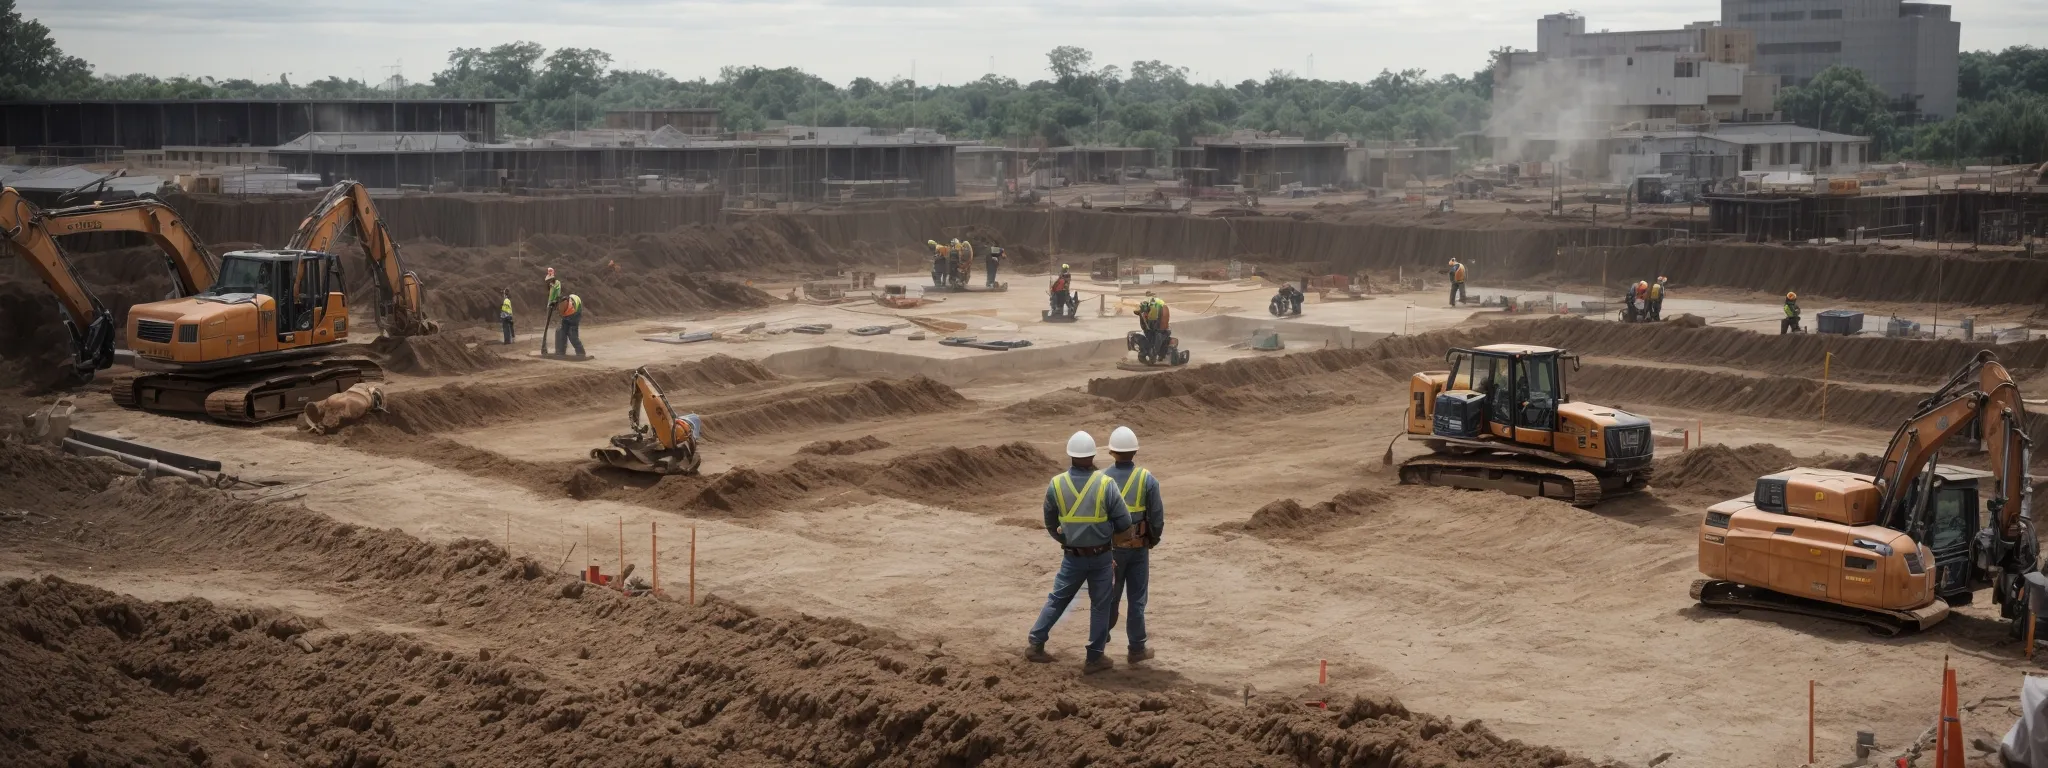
[242, 276]
[1537, 385]
[1858, 563]
[1950, 526]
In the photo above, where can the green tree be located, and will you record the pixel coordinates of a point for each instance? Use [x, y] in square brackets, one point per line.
[1843, 100]
[30, 62]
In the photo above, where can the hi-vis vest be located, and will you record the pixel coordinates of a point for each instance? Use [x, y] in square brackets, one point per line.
[1458, 274]
[1083, 507]
[1792, 310]
[1133, 492]
[506, 307]
[572, 305]
[1656, 291]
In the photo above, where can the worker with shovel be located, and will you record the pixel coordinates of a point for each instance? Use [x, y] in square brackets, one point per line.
[1084, 513]
[554, 304]
[571, 308]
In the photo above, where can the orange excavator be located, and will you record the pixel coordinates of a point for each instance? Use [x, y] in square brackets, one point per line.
[261, 341]
[1893, 551]
[33, 233]
[661, 441]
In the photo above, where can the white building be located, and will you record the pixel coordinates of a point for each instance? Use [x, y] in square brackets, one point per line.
[1727, 150]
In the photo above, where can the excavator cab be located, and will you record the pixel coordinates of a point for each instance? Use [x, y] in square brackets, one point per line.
[261, 302]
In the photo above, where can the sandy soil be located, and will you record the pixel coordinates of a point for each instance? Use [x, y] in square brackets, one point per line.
[1553, 625]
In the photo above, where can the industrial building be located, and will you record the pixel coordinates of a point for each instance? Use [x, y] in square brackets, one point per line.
[1264, 162]
[840, 166]
[1391, 165]
[695, 121]
[96, 128]
[1908, 49]
[1730, 150]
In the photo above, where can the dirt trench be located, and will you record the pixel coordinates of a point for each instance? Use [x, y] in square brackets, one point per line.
[464, 405]
[484, 672]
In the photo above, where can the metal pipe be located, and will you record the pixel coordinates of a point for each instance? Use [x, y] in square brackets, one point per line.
[149, 467]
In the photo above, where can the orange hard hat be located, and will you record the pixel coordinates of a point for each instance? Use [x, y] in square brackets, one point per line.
[1791, 296]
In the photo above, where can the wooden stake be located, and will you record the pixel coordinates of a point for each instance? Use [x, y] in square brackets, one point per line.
[622, 554]
[2030, 634]
[1809, 722]
[654, 556]
[508, 534]
[693, 565]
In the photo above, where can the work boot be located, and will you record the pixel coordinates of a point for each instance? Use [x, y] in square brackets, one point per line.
[1097, 662]
[1036, 654]
[1139, 654]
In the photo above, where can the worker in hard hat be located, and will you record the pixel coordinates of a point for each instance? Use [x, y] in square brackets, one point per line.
[1791, 321]
[554, 301]
[1639, 296]
[993, 260]
[1657, 298]
[952, 260]
[1062, 291]
[505, 313]
[964, 255]
[1084, 513]
[1154, 319]
[1457, 275]
[938, 263]
[571, 308]
[1132, 550]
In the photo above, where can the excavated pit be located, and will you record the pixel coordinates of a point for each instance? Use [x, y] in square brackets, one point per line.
[193, 681]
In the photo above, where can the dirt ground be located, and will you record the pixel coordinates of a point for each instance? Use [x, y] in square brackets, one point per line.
[868, 557]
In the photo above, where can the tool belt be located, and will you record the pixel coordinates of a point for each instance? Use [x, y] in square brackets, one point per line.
[1086, 551]
[1132, 538]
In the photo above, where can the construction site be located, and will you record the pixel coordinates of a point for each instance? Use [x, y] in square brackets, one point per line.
[426, 545]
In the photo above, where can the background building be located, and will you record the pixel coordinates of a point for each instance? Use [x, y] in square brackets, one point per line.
[1907, 49]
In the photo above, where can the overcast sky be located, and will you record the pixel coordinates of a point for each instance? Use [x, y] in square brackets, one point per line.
[950, 41]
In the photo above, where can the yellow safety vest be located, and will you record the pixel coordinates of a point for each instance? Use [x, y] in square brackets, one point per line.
[1134, 490]
[1075, 504]
[572, 305]
[1656, 291]
[506, 307]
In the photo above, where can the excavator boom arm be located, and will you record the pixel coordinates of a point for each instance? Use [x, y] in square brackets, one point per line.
[91, 325]
[192, 267]
[1983, 392]
[400, 307]
[661, 418]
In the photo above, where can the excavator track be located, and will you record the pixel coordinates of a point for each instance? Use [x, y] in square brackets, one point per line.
[1731, 597]
[243, 397]
[1577, 487]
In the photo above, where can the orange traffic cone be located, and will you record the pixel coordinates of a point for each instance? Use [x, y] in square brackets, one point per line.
[1948, 738]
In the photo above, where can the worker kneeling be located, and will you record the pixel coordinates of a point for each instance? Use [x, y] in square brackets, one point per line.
[1083, 512]
[1064, 303]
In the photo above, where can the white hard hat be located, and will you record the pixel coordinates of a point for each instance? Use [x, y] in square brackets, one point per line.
[1081, 445]
[1123, 440]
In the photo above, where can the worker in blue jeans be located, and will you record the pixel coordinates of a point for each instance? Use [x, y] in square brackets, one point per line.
[572, 322]
[1132, 549]
[1083, 512]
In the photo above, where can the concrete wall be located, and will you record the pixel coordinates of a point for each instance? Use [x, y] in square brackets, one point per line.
[155, 124]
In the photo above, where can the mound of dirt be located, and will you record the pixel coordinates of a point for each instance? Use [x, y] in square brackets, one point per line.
[58, 476]
[195, 682]
[1287, 518]
[1229, 374]
[1687, 320]
[834, 404]
[1065, 402]
[943, 476]
[1862, 463]
[438, 355]
[1720, 471]
[860, 444]
[464, 405]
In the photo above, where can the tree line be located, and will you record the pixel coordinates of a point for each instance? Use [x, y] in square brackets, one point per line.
[2002, 114]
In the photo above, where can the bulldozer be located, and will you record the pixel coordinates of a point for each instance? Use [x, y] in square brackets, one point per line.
[660, 441]
[1894, 551]
[1502, 419]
